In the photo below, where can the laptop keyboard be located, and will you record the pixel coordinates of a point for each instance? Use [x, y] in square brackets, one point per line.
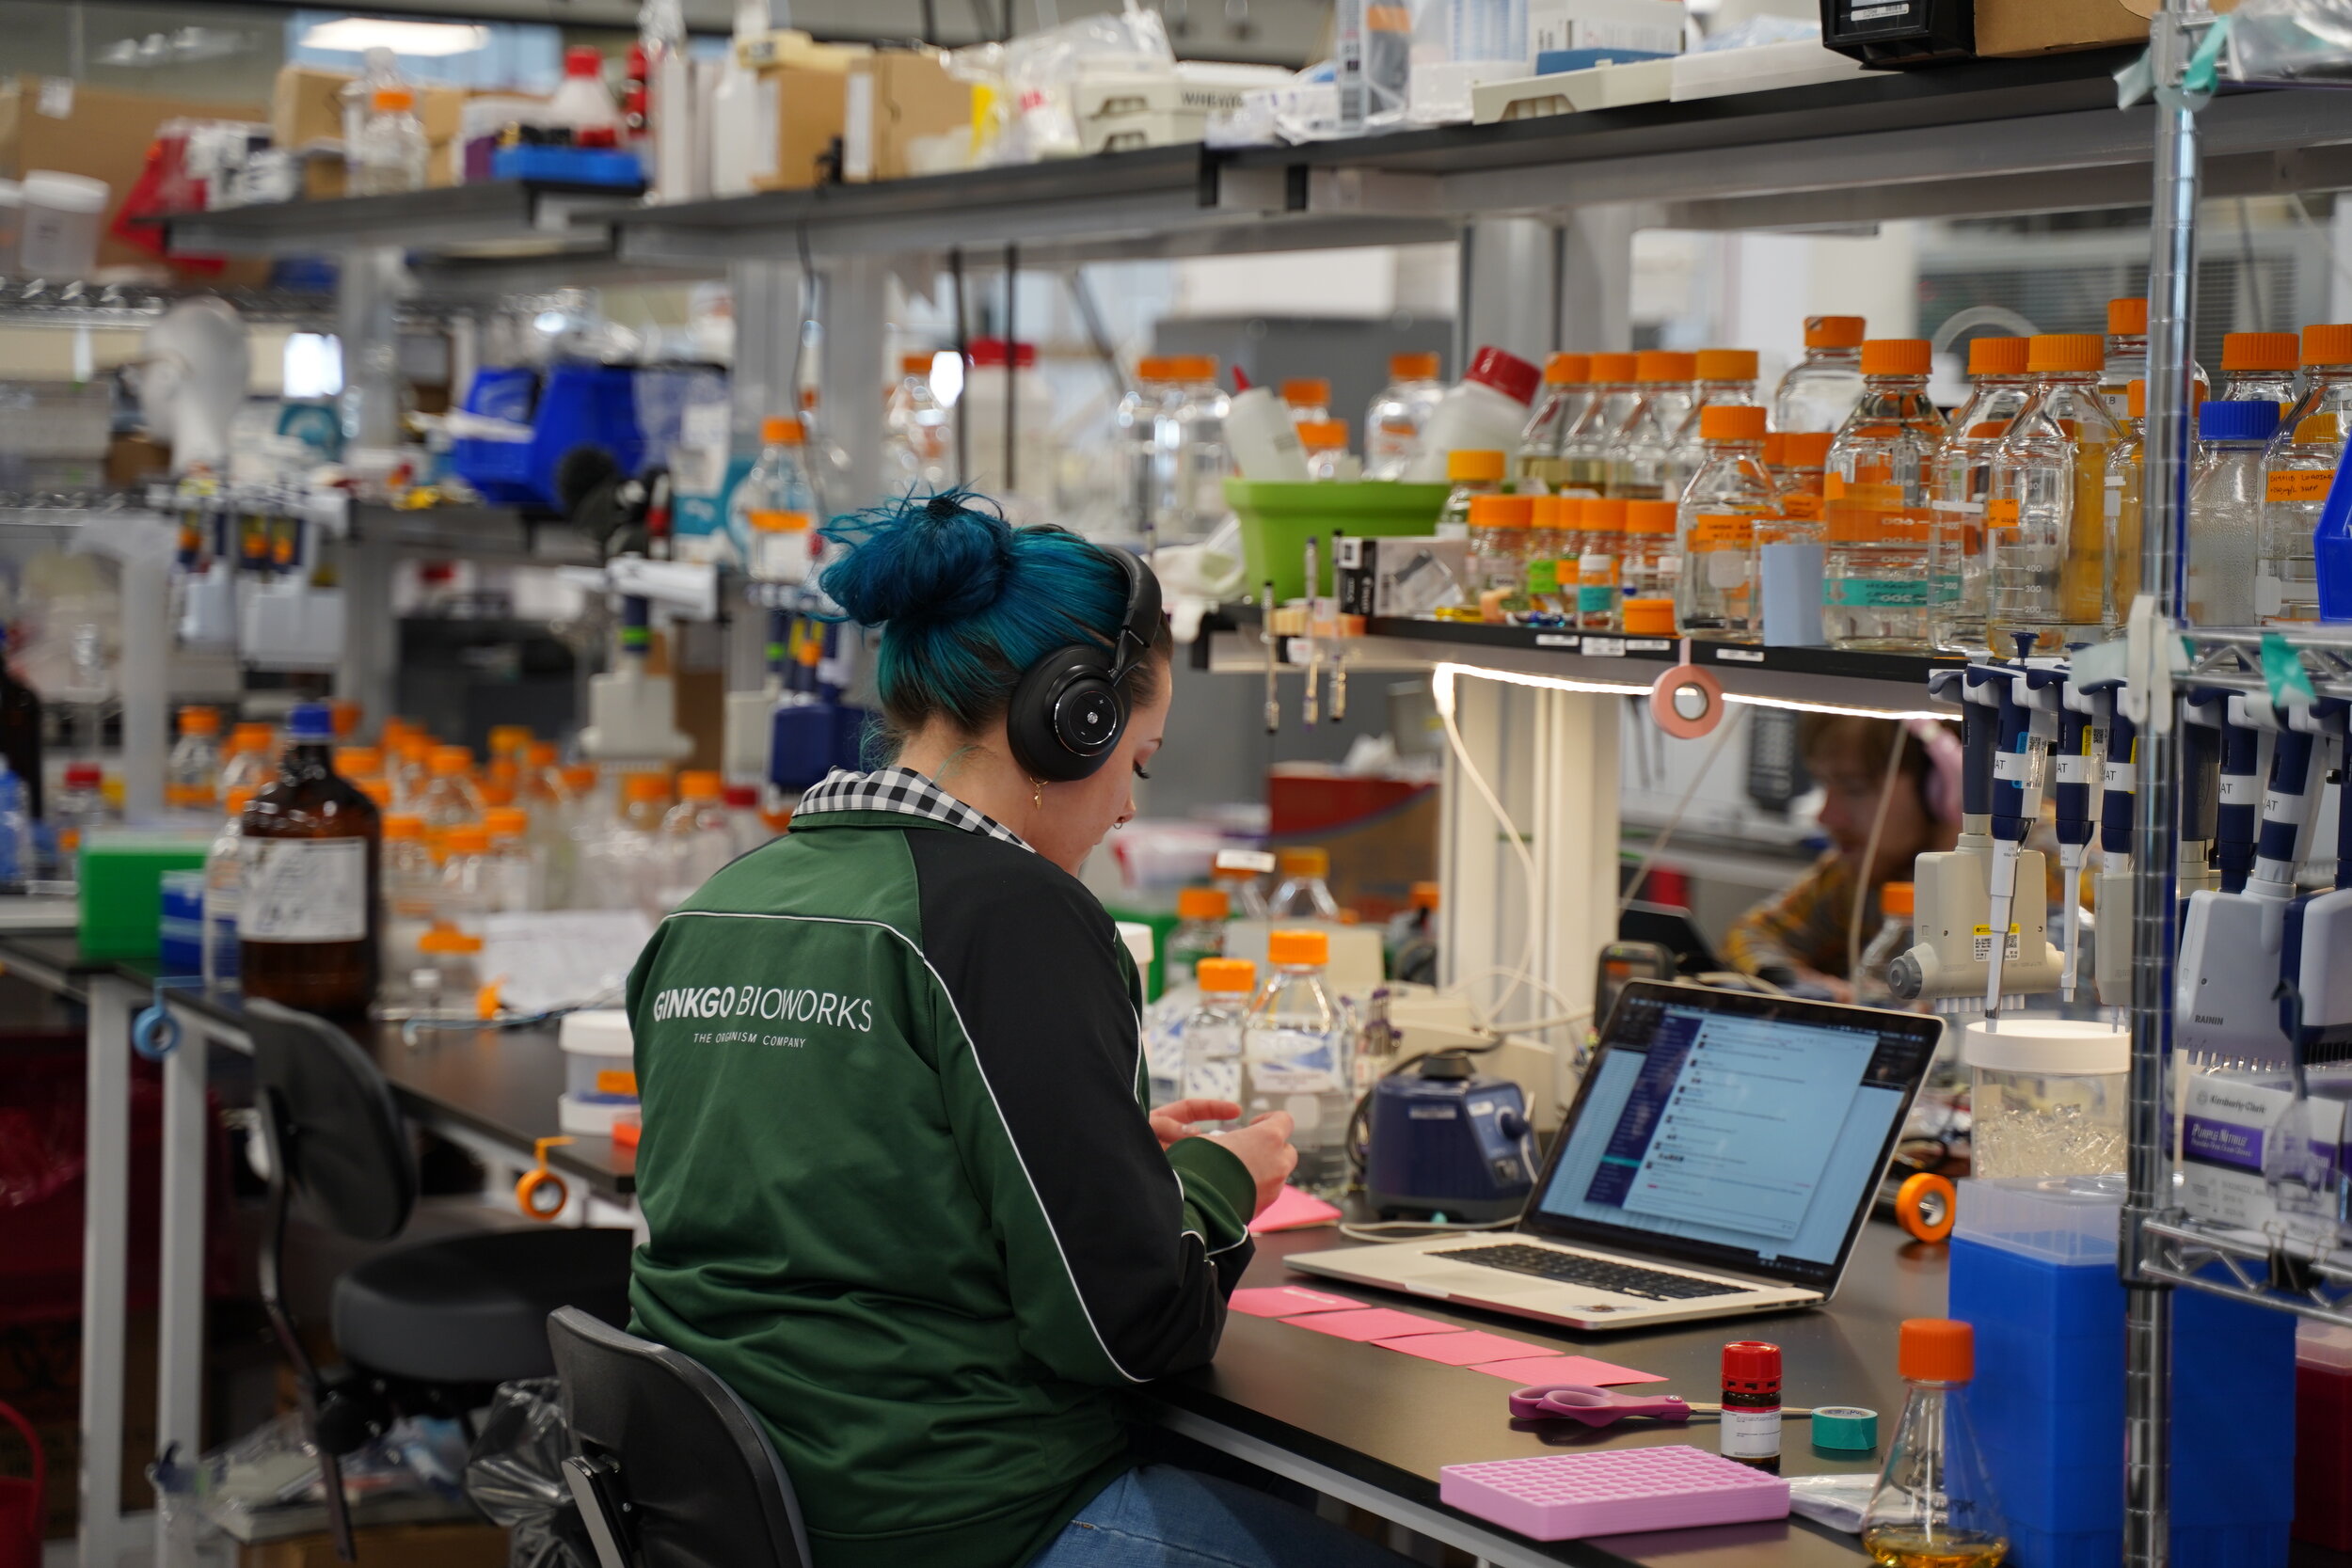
[1571, 1268]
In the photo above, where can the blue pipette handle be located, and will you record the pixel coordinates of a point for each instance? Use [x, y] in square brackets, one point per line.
[2290, 776]
[2200, 778]
[2072, 792]
[2237, 822]
[2115, 804]
[1979, 727]
[2012, 768]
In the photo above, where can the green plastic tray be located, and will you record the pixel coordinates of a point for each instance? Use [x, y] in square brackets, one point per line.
[121, 873]
[1277, 519]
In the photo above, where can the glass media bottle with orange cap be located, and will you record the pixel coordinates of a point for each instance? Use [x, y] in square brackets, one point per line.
[1649, 557]
[2326, 378]
[2046, 515]
[1542, 457]
[1295, 1056]
[1875, 590]
[1473, 472]
[1822, 389]
[1590, 445]
[1644, 445]
[2301, 468]
[310, 842]
[1304, 893]
[1957, 486]
[1392, 422]
[1933, 1506]
[1718, 595]
[1725, 376]
[1199, 933]
[2259, 367]
[1213, 1032]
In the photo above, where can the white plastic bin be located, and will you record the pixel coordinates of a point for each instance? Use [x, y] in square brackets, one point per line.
[62, 216]
[2049, 1097]
[601, 1081]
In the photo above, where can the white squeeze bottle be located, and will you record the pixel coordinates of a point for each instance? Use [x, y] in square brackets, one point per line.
[1295, 1056]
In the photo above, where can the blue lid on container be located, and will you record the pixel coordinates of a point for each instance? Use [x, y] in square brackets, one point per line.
[311, 721]
[2332, 546]
[2256, 419]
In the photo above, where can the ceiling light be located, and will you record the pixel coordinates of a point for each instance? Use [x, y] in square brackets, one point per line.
[356, 34]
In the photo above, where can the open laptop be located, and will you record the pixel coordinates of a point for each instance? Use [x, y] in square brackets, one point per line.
[1720, 1157]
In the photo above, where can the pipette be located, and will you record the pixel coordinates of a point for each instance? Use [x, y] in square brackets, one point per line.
[1265, 636]
[2073, 787]
[1308, 706]
[2029, 721]
[2117, 786]
[2245, 742]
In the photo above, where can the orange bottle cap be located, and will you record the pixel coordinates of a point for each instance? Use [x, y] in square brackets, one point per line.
[250, 738]
[1155, 367]
[541, 754]
[1472, 463]
[1806, 448]
[1312, 391]
[915, 364]
[1555, 512]
[1664, 365]
[2328, 344]
[447, 939]
[392, 100]
[1412, 367]
[1936, 1350]
[1300, 947]
[1567, 369]
[400, 824]
[2259, 350]
[1896, 356]
[379, 789]
[2127, 318]
[358, 762]
[1650, 617]
[199, 720]
[2064, 353]
[1202, 903]
[1726, 364]
[1425, 896]
[1192, 366]
[699, 784]
[1500, 511]
[468, 838]
[506, 822]
[1226, 974]
[581, 777]
[1613, 367]
[239, 798]
[782, 430]
[1647, 517]
[1894, 898]
[644, 786]
[1304, 861]
[1607, 514]
[1833, 331]
[1731, 421]
[1996, 357]
[1323, 435]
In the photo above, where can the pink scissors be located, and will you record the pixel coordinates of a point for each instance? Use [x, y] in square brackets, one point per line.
[1600, 1407]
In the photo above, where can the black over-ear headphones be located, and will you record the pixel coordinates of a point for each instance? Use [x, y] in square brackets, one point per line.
[1067, 712]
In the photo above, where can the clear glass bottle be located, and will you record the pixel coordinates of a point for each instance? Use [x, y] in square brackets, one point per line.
[1822, 389]
[518, 882]
[1328, 457]
[2046, 514]
[1725, 376]
[1616, 393]
[1305, 891]
[1498, 533]
[79, 806]
[1719, 592]
[2225, 510]
[450, 798]
[747, 829]
[1649, 556]
[1192, 436]
[1199, 933]
[224, 892]
[1472, 473]
[1892, 941]
[2327, 379]
[774, 507]
[1961, 478]
[391, 152]
[1599, 549]
[2299, 472]
[696, 839]
[359, 763]
[411, 771]
[1933, 1506]
[620, 861]
[1542, 458]
[1213, 1033]
[307, 925]
[919, 436]
[1644, 445]
[469, 887]
[1295, 1057]
[411, 896]
[1241, 873]
[1554, 535]
[2125, 358]
[2125, 493]
[246, 760]
[1147, 476]
[1876, 584]
[2260, 366]
[192, 771]
[1307, 398]
[1393, 421]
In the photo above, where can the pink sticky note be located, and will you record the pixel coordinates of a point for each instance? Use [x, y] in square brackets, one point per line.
[1460, 1349]
[1287, 1301]
[1565, 1368]
[1293, 1210]
[1375, 1322]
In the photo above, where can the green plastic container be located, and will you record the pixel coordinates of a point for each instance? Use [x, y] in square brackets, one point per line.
[121, 876]
[1277, 519]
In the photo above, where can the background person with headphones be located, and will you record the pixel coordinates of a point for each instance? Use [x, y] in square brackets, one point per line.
[1802, 940]
[900, 1187]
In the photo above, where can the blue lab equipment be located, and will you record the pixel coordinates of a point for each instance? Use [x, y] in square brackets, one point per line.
[567, 408]
[1445, 1141]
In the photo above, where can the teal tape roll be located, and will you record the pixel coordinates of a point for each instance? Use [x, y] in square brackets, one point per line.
[1846, 1427]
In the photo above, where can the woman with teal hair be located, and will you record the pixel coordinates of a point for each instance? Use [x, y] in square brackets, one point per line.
[901, 1189]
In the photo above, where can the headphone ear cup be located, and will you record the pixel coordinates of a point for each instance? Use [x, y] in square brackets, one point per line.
[1065, 716]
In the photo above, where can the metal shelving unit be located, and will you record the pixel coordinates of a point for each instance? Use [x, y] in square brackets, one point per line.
[549, 220]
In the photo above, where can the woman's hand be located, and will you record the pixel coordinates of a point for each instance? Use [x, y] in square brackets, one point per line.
[1264, 1148]
[1173, 1122]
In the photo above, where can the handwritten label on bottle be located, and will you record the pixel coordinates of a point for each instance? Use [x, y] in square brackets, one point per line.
[303, 890]
[2299, 484]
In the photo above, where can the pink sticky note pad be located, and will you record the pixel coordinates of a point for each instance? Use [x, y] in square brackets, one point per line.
[1563, 1369]
[1375, 1322]
[1293, 1210]
[1460, 1349]
[1288, 1301]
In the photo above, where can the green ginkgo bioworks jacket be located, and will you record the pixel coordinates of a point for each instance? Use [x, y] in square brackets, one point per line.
[899, 1185]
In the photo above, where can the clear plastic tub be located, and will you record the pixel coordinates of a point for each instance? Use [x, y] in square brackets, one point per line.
[2063, 1219]
[2049, 1097]
[600, 1081]
[62, 216]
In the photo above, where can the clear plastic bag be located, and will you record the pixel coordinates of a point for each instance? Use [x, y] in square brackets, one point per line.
[2306, 42]
[516, 1476]
[1031, 114]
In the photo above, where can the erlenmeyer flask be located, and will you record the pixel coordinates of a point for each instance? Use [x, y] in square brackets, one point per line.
[1933, 1506]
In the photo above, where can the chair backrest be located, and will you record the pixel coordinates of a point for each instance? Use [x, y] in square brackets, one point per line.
[670, 1464]
[342, 1139]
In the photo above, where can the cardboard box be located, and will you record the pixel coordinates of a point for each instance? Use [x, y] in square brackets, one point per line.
[2012, 27]
[895, 97]
[307, 106]
[478, 1545]
[51, 122]
[805, 110]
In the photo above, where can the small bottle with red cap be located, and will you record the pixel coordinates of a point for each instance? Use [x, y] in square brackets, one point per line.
[1751, 1424]
[1933, 1506]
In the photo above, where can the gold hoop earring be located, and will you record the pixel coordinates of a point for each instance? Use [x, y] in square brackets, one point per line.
[1037, 793]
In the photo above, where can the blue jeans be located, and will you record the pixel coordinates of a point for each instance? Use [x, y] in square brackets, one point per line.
[1161, 1516]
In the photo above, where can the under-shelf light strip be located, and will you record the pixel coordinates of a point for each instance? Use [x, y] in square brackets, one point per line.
[1444, 675]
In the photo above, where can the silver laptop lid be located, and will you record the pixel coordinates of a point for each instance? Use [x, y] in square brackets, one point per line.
[1731, 1131]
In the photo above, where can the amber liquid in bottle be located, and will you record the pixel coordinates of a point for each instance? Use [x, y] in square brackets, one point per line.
[312, 842]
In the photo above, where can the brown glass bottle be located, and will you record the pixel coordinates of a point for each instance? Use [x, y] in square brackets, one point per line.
[312, 843]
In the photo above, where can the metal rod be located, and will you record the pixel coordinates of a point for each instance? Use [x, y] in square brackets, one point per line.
[2155, 865]
[1013, 350]
[964, 366]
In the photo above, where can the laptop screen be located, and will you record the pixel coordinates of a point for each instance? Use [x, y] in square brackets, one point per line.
[1741, 1132]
